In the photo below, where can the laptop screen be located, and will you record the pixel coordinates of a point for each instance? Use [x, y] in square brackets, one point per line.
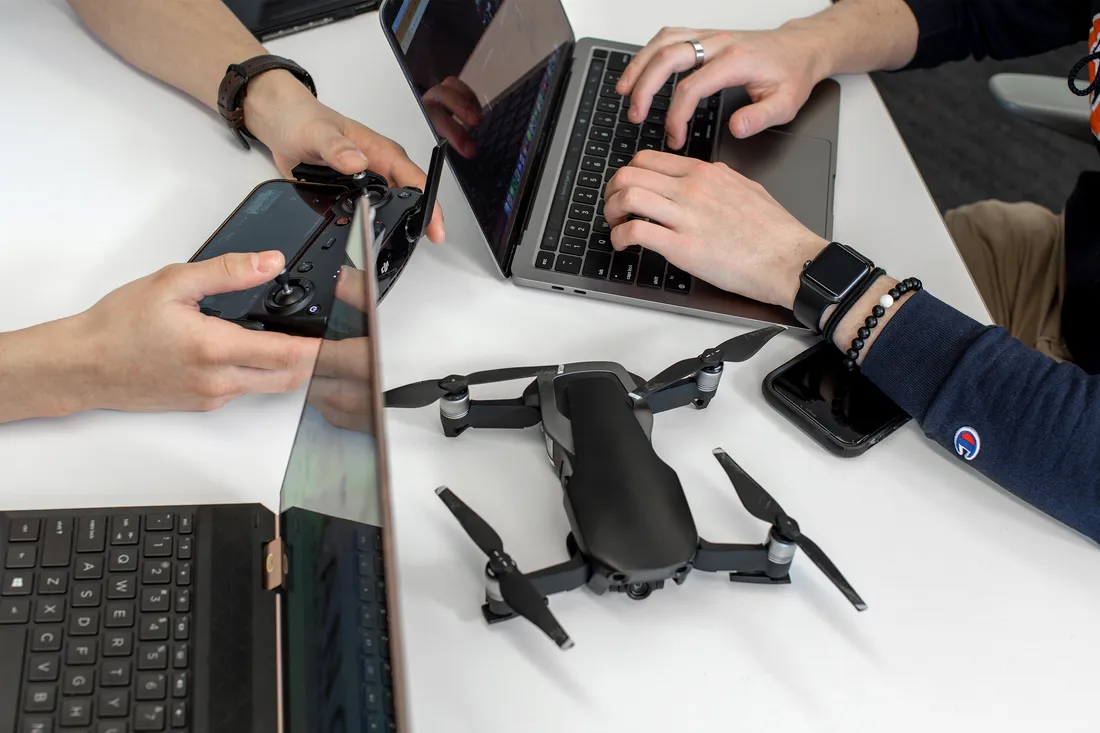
[337, 660]
[486, 73]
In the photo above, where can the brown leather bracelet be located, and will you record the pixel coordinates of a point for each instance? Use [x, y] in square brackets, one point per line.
[234, 87]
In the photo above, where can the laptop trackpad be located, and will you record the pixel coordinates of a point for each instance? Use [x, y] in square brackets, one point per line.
[794, 169]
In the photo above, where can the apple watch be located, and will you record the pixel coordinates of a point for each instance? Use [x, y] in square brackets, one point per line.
[234, 86]
[827, 280]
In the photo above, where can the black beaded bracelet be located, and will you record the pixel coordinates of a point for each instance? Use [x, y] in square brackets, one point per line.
[851, 356]
[846, 305]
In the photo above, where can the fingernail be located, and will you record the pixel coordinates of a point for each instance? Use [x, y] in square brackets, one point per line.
[743, 126]
[353, 158]
[266, 262]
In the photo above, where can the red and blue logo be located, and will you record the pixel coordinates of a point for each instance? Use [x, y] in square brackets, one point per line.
[967, 443]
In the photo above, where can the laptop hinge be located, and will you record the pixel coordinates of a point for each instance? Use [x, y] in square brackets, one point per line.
[275, 562]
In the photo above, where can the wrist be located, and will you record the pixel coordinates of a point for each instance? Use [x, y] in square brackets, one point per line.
[855, 318]
[266, 99]
[789, 272]
[810, 36]
[45, 371]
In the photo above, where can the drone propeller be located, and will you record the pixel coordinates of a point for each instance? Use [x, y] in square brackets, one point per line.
[516, 590]
[737, 349]
[761, 505]
[422, 394]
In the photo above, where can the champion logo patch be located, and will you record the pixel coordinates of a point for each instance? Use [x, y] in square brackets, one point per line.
[967, 443]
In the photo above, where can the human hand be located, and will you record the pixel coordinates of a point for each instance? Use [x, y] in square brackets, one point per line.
[454, 109]
[777, 68]
[151, 350]
[297, 128]
[714, 223]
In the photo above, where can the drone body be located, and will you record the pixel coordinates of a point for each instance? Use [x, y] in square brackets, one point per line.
[631, 526]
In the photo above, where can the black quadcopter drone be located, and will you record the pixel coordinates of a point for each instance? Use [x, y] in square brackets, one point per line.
[632, 529]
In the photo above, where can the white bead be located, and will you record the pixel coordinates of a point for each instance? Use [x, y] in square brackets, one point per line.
[886, 301]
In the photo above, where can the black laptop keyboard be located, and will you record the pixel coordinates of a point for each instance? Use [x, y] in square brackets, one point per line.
[374, 638]
[95, 624]
[577, 239]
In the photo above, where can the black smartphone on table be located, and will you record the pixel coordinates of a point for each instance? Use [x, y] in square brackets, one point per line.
[841, 410]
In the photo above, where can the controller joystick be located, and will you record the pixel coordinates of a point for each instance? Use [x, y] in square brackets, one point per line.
[287, 293]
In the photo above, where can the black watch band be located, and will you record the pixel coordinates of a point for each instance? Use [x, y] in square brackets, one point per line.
[827, 280]
[234, 87]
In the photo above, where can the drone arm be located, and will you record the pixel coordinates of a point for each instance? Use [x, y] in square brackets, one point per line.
[679, 395]
[751, 563]
[560, 578]
[512, 414]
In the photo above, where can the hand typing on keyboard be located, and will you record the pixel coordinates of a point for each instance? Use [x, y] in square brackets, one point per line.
[715, 224]
[777, 68]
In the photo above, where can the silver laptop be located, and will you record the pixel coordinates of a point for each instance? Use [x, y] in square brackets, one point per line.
[540, 130]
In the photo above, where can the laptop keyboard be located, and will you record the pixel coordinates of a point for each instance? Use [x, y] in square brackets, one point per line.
[95, 619]
[377, 674]
[577, 239]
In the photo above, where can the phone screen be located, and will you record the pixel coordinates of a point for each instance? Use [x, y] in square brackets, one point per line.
[843, 404]
[281, 215]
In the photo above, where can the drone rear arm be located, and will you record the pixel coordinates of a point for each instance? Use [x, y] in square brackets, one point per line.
[458, 415]
[747, 563]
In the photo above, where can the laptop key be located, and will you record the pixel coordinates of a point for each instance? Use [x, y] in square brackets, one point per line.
[149, 716]
[40, 699]
[608, 90]
[26, 530]
[46, 639]
[544, 260]
[58, 543]
[576, 229]
[81, 652]
[612, 77]
[158, 545]
[15, 610]
[599, 209]
[600, 242]
[581, 211]
[618, 60]
[572, 246]
[624, 145]
[50, 610]
[666, 90]
[597, 264]
[589, 180]
[123, 561]
[657, 117]
[585, 196]
[87, 594]
[44, 669]
[77, 682]
[618, 160]
[603, 119]
[598, 149]
[677, 281]
[20, 558]
[610, 106]
[628, 131]
[568, 263]
[124, 530]
[660, 103]
[115, 673]
[651, 270]
[89, 568]
[114, 704]
[594, 165]
[600, 134]
[600, 226]
[20, 584]
[36, 725]
[624, 267]
[651, 130]
[648, 144]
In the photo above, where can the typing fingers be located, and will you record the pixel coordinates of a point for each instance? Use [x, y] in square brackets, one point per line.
[679, 56]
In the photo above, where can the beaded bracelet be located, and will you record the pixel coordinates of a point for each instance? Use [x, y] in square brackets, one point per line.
[846, 305]
[851, 356]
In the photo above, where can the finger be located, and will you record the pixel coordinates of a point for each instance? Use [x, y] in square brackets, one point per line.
[631, 177]
[448, 127]
[634, 69]
[347, 359]
[455, 97]
[649, 235]
[772, 110]
[193, 281]
[339, 152]
[266, 350]
[668, 164]
[667, 61]
[643, 204]
[706, 81]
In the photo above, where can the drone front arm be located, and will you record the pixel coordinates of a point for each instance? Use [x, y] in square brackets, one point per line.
[514, 414]
[560, 578]
[679, 395]
[768, 563]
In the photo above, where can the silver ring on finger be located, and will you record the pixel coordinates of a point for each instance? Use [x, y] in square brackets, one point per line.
[700, 53]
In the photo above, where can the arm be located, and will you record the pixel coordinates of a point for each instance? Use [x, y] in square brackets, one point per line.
[952, 30]
[1038, 421]
[38, 369]
[190, 43]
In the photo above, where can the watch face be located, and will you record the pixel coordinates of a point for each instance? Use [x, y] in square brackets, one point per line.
[836, 270]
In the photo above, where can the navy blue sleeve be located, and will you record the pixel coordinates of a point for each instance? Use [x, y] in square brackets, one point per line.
[1029, 423]
[952, 30]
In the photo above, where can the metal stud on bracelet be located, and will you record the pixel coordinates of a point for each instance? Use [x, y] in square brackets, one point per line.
[851, 356]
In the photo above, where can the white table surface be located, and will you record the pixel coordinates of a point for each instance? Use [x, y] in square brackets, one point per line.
[982, 611]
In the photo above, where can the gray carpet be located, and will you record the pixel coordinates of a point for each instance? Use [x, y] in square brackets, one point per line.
[968, 149]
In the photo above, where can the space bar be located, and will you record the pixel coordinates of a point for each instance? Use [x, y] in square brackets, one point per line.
[11, 665]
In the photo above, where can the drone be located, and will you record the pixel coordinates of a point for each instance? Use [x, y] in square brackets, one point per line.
[631, 526]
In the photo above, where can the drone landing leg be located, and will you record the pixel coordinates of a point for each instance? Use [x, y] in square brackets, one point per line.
[566, 576]
[767, 564]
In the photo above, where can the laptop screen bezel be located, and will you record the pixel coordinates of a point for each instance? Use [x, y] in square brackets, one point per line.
[532, 179]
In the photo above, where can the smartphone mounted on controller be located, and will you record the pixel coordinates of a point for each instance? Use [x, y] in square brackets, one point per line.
[308, 220]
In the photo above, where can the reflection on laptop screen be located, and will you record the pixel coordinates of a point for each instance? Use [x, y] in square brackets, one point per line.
[485, 71]
[336, 656]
